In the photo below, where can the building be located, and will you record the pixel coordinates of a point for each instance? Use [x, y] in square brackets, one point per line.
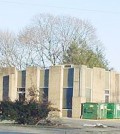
[67, 86]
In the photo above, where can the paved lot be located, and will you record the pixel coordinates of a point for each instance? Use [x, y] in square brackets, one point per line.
[71, 126]
[81, 122]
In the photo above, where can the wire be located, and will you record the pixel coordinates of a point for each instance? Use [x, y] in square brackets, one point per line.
[71, 8]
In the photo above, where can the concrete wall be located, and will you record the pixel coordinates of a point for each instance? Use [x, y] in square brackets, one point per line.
[87, 84]
[12, 91]
[32, 80]
[98, 85]
[55, 93]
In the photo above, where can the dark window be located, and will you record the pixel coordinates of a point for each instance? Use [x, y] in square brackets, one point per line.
[23, 78]
[21, 89]
[106, 91]
[46, 78]
[21, 94]
[70, 77]
[5, 87]
[44, 93]
[67, 98]
[106, 98]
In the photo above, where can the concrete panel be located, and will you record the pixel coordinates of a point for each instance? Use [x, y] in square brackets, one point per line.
[13, 87]
[32, 80]
[107, 80]
[76, 106]
[55, 92]
[112, 86]
[83, 80]
[8, 70]
[76, 81]
[66, 113]
[98, 85]
[88, 82]
[117, 88]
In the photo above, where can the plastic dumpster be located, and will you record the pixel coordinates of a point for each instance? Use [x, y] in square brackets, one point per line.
[113, 110]
[94, 110]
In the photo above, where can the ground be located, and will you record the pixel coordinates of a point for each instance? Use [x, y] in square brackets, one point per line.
[70, 126]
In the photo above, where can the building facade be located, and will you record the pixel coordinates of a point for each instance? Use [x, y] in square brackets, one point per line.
[66, 86]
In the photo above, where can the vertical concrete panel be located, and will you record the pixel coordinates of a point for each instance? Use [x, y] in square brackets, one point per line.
[112, 86]
[55, 92]
[83, 81]
[98, 84]
[76, 107]
[117, 88]
[13, 87]
[76, 93]
[88, 83]
[76, 81]
[78, 90]
[32, 79]
[107, 80]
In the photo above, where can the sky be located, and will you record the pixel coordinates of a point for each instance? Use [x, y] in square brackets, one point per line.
[104, 15]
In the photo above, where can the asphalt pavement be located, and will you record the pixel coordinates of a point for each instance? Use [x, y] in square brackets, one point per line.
[69, 126]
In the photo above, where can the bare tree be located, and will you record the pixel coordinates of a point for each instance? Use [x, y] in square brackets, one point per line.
[46, 40]
[8, 53]
[52, 35]
[15, 54]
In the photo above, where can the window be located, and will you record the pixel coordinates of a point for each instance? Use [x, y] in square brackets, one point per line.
[23, 78]
[106, 98]
[21, 94]
[43, 94]
[6, 87]
[106, 91]
[67, 98]
[107, 95]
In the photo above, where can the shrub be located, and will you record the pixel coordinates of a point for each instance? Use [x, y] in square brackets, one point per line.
[25, 112]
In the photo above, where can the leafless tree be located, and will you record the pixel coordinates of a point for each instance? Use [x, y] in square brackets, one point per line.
[45, 41]
[50, 36]
[8, 53]
[13, 53]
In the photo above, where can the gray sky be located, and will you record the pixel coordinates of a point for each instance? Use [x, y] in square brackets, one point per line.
[104, 15]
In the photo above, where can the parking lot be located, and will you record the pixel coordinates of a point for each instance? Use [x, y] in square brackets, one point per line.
[70, 126]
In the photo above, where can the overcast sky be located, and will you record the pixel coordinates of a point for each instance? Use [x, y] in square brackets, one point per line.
[104, 15]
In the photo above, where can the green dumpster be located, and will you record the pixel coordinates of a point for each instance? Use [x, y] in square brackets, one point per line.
[94, 110]
[113, 111]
